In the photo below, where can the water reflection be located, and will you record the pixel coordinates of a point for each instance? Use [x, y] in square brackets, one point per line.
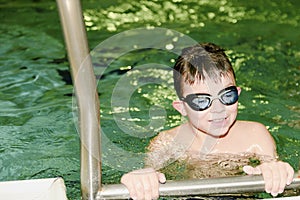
[196, 13]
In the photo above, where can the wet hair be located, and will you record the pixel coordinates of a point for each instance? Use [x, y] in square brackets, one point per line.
[199, 61]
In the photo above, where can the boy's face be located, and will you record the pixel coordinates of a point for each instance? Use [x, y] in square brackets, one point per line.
[217, 119]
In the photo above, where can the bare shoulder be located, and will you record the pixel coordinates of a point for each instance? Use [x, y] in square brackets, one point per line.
[163, 138]
[253, 128]
[162, 148]
[258, 136]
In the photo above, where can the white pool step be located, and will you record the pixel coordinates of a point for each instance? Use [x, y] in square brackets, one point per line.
[37, 189]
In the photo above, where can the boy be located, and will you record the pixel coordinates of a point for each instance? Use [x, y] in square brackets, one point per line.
[208, 96]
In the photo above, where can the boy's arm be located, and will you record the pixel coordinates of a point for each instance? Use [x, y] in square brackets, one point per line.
[144, 183]
[161, 150]
[276, 174]
[259, 140]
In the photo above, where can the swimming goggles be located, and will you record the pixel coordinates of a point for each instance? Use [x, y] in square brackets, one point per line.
[200, 101]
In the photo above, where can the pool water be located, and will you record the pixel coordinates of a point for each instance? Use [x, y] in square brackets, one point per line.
[38, 136]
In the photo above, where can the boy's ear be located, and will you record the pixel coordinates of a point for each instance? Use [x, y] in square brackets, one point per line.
[239, 90]
[178, 105]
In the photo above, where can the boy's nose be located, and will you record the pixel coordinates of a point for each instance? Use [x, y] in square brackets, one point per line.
[217, 106]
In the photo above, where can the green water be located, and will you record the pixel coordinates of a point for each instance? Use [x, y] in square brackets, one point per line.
[38, 137]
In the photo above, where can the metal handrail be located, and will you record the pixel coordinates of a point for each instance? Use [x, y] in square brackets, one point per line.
[207, 186]
[86, 94]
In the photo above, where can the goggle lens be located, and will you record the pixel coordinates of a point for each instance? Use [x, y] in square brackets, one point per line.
[200, 102]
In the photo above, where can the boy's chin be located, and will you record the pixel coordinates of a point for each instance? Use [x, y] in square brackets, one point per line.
[218, 132]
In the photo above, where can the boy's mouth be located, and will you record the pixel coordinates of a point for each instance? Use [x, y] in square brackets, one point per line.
[218, 120]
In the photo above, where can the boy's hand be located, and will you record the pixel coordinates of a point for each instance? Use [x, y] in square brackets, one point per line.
[143, 183]
[276, 175]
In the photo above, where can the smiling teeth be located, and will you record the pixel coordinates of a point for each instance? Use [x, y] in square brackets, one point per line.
[217, 120]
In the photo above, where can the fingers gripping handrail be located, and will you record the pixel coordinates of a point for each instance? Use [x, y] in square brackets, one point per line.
[225, 185]
[86, 95]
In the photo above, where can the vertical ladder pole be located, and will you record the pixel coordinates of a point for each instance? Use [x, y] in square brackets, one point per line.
[86, 94]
